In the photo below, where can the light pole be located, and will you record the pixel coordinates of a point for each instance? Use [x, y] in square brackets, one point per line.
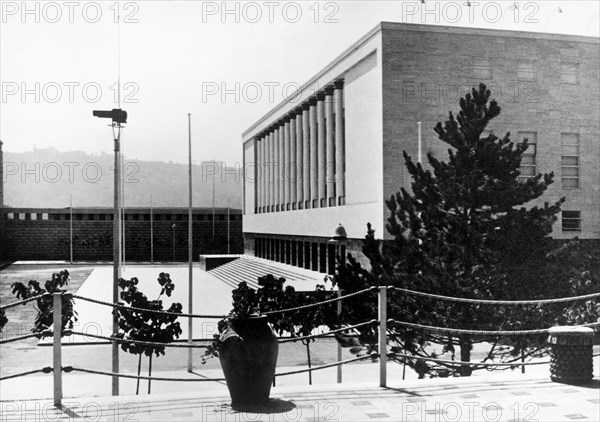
[339, 239]
[173, 227]
[118, 117]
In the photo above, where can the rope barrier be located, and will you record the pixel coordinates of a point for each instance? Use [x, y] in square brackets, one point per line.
[461, 331]
[24, 301]
[484, 332]
[45, 370]
[141, 342]
[330, 365]
[41, 335]
[114, 374]
[339, 330]
[311, 305]
[133, 308]
[461, 363]
[495, 302]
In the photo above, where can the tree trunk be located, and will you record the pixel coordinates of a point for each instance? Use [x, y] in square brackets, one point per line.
[149, 372]
[137, 388]
[309, 363]
[465, 343]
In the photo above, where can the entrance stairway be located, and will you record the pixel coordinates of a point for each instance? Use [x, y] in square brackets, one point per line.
[249, 269]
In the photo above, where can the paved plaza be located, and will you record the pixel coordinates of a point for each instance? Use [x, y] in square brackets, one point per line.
[508, 396]
[486, 396]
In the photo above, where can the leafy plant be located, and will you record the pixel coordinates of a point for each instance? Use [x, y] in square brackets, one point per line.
[45, 304]
[271, 297]
[147, 326]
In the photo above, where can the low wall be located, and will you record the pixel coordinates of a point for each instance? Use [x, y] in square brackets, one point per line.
[45, 234]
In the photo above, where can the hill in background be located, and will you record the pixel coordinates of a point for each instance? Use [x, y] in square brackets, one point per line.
[45, 178]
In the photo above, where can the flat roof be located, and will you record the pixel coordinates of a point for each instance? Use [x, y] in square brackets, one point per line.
[423, 28]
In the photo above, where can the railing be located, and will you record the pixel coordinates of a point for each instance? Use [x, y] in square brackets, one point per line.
[382, 322]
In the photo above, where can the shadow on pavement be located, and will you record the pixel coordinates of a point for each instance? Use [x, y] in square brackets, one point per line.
[272, 406]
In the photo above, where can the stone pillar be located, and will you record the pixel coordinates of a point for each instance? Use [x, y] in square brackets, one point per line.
[270, 171]
[322, 149]
[281, 175]
[306, 160]
[340, 143]
[292, 163]
[286, 164]
[299, 160]
[276, 169]
[258, 174]
[330, 148]
[314, 187]
[571, 356]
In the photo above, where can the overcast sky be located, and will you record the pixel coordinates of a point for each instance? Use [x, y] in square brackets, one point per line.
[60, 60]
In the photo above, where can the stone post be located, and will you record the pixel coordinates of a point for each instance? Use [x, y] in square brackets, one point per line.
[571, 359]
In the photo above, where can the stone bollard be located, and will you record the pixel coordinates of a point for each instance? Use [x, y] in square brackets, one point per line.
[571, 356]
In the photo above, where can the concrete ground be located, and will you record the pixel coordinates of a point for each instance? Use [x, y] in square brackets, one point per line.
[506, 396]
[486, 396]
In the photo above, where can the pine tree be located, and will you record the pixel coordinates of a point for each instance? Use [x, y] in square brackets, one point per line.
[462, 231]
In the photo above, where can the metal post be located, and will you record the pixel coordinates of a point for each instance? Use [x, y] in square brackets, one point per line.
[339, 346]
[71, 226]
[173, 241]
[382, 335]
[419, 143]
[228, 230]
[151, 232]
[57, 351]
[190, 248]
[116, 258]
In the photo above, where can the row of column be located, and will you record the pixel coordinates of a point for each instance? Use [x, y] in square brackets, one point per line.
[315, 256]
[300, 160]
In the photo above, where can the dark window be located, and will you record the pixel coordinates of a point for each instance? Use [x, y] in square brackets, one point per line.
[571, 221]
[322, 258]
[570, 160]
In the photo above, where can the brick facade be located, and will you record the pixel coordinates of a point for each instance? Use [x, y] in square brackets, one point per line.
[548, 86]
[427, 69]
[44, 234]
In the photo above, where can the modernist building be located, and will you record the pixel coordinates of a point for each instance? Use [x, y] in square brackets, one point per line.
[334, 154]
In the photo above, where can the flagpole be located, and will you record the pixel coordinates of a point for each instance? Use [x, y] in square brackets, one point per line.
[190, 246]
[419, 142]
[71, 225]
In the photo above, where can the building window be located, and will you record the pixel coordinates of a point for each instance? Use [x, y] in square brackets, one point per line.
[570, 160]
[482, 68]
[571, 221]
[528, 160]
[526, 70]
[569, 73]
[10, 216]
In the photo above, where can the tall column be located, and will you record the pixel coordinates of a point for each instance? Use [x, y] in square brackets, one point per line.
[314, 187]
[258, 174]
[281, 166]
[292, 163]
[330, 147]
[322, 149]
[269, 166]
[340, 143]
[286, 164]
[264, 161]
[306, 174]
[299, 159]
[276, 169]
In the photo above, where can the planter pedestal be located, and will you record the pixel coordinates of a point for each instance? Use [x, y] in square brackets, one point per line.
[248, 356]
[571, 356]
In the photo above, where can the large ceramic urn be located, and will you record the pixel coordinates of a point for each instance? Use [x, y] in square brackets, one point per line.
[248, 355]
